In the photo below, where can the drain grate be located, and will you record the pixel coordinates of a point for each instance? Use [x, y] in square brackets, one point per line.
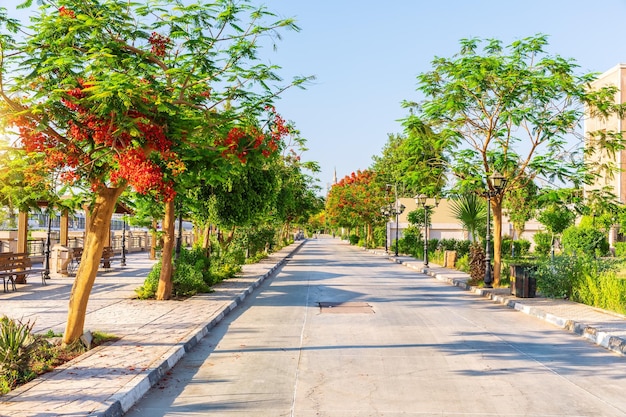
[347, 307]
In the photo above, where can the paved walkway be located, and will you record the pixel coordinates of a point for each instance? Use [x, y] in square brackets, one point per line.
[108, 380]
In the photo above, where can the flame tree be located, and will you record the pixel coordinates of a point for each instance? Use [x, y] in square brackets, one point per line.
[113, 94]
[356, 200]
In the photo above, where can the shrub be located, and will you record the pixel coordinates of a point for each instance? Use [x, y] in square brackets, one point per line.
[620, 249]
[188, 281]
[585, 240]
[191, 276]
[354, 239]
[463, 263]
[543, 243]
[556, 278]
[17, 345]
[520, 247]
[462, 248]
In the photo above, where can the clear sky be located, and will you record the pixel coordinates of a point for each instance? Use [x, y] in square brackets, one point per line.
[366, 56]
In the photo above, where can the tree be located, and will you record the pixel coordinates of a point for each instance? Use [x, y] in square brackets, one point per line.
[556, 218]
[511, 110]
[114, 94]
[471, 211]
[356, 200]
[521, 205]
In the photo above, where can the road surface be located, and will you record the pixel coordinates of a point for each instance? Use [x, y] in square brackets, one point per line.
[340, 332]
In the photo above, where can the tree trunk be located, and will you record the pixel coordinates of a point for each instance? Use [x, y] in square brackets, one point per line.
[496, 206]
[164, 291]
[153, 241]
[98, 227]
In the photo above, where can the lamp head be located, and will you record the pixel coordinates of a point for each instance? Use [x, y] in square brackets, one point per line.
[498, 181]
[421, 199]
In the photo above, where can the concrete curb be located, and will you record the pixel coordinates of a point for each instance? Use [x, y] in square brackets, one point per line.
[613, 343]
[132, 392]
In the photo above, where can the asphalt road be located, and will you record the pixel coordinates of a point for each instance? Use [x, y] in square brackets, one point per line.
[401, 344]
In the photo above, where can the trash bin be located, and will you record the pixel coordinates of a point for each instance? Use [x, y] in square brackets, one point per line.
[523, 284]
[59, 258]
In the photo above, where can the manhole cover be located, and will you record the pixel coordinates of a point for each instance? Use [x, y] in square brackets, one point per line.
[347, 307]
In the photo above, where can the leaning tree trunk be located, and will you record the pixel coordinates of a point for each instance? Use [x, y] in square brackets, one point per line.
[164, 291]
[99, 226]
[497, 240]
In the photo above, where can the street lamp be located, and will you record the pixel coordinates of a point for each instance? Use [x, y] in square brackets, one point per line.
[396, 210]
[123, 262]
[421, 201]
[498, 183]
[385, 211]
[46, 266]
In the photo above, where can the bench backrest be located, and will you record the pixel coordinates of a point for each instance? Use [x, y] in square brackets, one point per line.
[14, 261]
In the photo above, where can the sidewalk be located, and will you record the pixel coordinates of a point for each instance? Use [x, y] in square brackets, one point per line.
[604, 328]
[108, 380]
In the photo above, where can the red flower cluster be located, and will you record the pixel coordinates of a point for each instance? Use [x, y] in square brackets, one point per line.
[159, 44]
[142, 174]
[64, 12]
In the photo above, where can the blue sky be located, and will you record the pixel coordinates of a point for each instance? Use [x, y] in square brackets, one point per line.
[366, 56]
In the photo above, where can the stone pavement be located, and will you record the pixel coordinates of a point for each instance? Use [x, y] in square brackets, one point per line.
[108, 380]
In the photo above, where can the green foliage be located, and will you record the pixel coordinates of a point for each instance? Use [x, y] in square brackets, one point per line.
[520, 247]
[605, 290]
[557, 278]
[620, 249]
[150, 284]
[411, 243]
[463, 263]
[471, 211]
[188, 281]
[583, 279]
[191, 276]
[543, 243]
[17, 345]
[556, 218]
[585, 240]
[354, 239]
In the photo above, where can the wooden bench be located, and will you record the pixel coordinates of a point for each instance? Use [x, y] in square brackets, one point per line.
[13, 265]
[108, 255]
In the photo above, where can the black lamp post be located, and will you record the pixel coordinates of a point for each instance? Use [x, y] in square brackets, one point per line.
[46, 266]
[396, 209]
[498, 182]
[421, 201]
[123, 262]
[385, 211]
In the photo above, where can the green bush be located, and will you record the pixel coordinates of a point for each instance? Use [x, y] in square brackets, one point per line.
[462, 248]
[192, 275]
[580, 278]
[557, 278]
[411, 243]
[354, 239]
[543, 243]
[462, 263]
[17, 344]
[585, 240]
[521, 247]
[188, 281]
[620, 249]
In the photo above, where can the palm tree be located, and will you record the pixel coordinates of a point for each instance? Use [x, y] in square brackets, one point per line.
[471, 211]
